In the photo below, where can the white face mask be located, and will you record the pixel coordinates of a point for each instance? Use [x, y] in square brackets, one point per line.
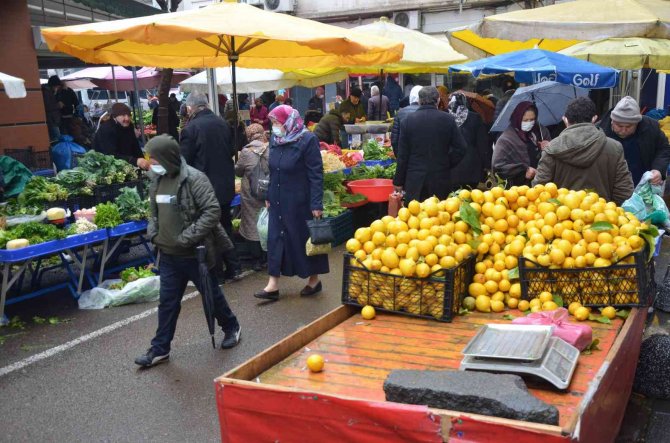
[158, 169]
[278, 131]
[527, 126]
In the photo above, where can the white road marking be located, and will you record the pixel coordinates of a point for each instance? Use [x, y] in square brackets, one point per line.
[84, 338]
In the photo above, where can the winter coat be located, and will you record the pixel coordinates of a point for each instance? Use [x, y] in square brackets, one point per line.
[355, 111]
[512, 156]
[249, 157]
[395, 129]
[654, 146]
[430, 146]
[51, 106]
[315, 104]
[394, 92]
[478, 154]
[583, 157]
[296, 189]
[374, 111]
[262, 115]
[113, 139]
[329, 127]
[173, 120]
[207, 145]
[199, 209]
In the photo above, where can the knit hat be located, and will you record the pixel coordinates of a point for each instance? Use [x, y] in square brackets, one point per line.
[119, 109]
[355, 92]
[626, 111]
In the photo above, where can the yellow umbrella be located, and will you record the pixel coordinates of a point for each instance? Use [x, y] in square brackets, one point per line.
[583, 20]
[220, 34]
[624, 53]
[476, 47]
[422, 53]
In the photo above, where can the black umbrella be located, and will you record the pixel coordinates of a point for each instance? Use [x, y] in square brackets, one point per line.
[207, 290]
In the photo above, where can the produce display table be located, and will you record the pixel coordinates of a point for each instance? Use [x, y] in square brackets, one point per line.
[274, 397]
[30, 259]
[115, 236]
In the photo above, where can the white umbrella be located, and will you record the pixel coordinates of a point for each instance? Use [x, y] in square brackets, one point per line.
[261, 80]
[14, 87]
[550, 98]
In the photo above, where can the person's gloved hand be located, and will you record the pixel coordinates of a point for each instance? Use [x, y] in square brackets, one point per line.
[656, 177]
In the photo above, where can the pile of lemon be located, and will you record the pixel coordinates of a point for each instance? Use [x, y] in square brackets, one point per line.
[556, 228]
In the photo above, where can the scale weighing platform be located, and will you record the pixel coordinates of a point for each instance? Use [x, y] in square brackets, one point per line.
[524, 349]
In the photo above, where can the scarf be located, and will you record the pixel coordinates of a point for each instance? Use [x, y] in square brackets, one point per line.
[516, 119]
[290, 119]
[458, 107]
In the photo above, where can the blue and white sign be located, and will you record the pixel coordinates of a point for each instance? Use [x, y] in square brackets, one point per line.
[536, 65]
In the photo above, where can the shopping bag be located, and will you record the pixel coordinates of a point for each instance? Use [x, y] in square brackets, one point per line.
[647, 202]
[63, 151]
[578, 335]
[262, 227]
[142, 290]
[320, 231]
[312, 249]
[395, 203]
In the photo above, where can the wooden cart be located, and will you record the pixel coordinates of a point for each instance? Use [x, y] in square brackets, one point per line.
[273, 397]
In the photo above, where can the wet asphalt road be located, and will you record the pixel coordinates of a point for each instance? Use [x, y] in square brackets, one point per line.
[93, 392]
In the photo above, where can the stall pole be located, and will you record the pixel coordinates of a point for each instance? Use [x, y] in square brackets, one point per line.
[140, 116]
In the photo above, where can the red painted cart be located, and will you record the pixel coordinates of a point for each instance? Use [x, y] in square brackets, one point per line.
[273, 397]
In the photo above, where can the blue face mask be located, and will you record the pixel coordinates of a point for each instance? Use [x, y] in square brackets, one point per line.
[278, 131]
[158, 169]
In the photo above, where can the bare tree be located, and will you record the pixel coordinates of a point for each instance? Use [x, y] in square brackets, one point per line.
[166, 77]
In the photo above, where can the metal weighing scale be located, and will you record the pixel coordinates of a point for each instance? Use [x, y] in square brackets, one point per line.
[525, 349]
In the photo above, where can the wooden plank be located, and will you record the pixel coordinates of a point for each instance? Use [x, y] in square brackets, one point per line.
[274, 354]
[29, 109]
[23, 136]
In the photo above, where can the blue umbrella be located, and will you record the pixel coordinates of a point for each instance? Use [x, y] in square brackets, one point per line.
[536, 65]
[550, 98]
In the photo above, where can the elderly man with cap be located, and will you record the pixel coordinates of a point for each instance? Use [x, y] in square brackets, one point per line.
[117, 137]
[354, 107]
[645, 146]
[207, 145]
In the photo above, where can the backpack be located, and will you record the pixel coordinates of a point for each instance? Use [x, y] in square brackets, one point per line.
[259, 178]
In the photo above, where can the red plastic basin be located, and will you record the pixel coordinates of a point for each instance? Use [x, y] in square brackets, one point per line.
[375, 189]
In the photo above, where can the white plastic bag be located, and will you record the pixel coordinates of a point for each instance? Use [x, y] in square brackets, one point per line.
[262, 226]
[647, 202]
[139, 291]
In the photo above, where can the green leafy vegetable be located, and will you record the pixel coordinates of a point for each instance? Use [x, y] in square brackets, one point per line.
[559, 301]
[352, 198]
[76, 181]
[107, 215]
[372, 150]
[508, 317]
[40, 190]
[592, 347]
[132, 274]
[131, 206]
[34, 232]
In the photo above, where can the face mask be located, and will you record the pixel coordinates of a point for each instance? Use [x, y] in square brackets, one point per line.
[278, 131]
[527, 126]
[158, 169]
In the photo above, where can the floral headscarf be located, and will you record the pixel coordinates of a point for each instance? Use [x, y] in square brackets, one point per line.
[256, 132]
[458, 107]
[290, 119]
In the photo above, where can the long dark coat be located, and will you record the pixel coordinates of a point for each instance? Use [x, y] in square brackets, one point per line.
[207, 145]
[296, 189]
[430, 146]
[478, 154]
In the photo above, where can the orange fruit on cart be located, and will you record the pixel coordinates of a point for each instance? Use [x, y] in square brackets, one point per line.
[315, 363]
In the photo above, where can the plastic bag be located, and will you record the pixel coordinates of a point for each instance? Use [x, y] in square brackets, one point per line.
[138, 291]
[63, 150]
[395, 203]
[647, 202]
[579, 336]
[262, 226]
[311, 249]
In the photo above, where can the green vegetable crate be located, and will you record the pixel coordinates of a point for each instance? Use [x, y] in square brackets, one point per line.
[342, 226]
[109, 193]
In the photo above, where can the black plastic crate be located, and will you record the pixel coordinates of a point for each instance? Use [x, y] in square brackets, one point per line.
[75, 202]
[621, 285]
[342, 226]
[438, 296]
[109, 193]
[41, 160]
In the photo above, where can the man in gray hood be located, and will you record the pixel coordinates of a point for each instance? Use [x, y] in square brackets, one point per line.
[583, 157]
[184, 214]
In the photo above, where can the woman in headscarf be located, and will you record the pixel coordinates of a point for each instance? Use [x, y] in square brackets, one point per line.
[255, 152]
[471, 170]
[517, 151]
[241, 129]
[443, 104]
[295, 196]
[378, 105]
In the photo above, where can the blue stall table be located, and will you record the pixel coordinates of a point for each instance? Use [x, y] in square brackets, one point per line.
[115, 236]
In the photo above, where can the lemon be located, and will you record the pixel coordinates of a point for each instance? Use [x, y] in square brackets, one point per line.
[515, 290]
[535, 303]
[523, 305]
[512, 303]
[573, 307]
[483, 303]
[315, 362]
[581, 313]
[608, 312]
[476, 289]
[469, 303]
[549, 306]
[368, 312]
[497, 306]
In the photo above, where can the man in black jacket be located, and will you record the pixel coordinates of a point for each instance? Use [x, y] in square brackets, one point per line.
[645, 146]
[207, 144]
[430, 145]
[117, 137]
[400, 116]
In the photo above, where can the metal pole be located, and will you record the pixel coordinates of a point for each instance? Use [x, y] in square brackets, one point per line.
[139, 105]
[212, 90]
[233, 57]
[116, 93]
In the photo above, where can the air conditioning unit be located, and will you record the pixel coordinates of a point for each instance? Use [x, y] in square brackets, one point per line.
[407, 19]
[253, 2]
[279, 5]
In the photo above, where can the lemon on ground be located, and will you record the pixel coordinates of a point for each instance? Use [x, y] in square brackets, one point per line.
[497, 306]
[368, 312]
[523, 305]
[573, 307]
[483, 303]
[608, 312]
[581, 313]
[315, 363]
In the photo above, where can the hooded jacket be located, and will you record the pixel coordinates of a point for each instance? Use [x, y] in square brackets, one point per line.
[400, 116]
[196, 200]
[583, 157]
[329, 127]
